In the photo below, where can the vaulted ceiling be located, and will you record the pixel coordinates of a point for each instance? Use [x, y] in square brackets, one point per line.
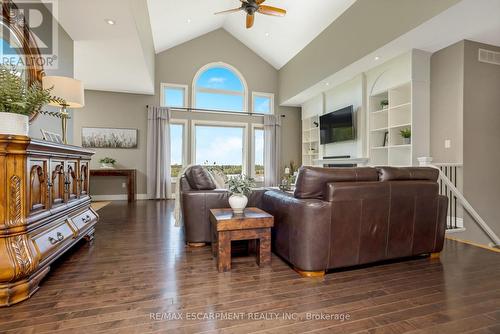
[275, 39]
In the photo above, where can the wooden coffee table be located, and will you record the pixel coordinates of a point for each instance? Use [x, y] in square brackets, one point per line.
[253, 224]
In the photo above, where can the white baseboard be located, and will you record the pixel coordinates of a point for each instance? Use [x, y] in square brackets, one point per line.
[121, 197]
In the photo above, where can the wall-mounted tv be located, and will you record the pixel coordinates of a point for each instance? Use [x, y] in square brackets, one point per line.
[337, 126]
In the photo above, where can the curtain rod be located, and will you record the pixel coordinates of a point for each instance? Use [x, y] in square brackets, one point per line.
[218, 111]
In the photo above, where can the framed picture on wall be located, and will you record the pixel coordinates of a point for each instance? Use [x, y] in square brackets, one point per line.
[386, 139]
[109, 138]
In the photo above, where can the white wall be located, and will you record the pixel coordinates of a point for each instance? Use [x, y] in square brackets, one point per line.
[344, 95]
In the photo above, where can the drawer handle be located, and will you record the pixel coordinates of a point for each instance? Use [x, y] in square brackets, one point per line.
[60, 237]
[86, 219]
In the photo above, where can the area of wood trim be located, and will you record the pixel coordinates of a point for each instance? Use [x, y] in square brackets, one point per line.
[475, 244]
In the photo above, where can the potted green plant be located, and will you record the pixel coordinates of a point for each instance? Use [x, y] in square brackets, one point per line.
[108, 163]
[240, 187]
[18, 101]
[406, 134]
[384, 103]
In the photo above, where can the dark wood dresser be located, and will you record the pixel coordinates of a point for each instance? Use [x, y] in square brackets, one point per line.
[44, 210]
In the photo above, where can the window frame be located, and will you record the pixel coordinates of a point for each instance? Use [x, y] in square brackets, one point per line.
[184, 123]
[219, 124]
[233, 69]
[262, 94]
[165, 85]
[252, 158]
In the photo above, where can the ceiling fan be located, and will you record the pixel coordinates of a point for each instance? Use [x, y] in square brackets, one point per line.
[253, 6]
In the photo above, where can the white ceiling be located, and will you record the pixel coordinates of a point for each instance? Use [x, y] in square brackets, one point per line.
[275, 39]
[476, 20]
[107, 57]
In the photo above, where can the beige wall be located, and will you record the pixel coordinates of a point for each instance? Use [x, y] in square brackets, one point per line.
[481, 139]
[179, 65]
[65, 68]
[366, 26]
[447, 94]
[465, 107]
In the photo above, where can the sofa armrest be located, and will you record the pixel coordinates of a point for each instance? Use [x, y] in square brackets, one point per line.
[301, 233]
[196, 207]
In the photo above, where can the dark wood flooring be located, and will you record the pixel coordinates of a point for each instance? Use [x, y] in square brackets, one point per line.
[138, 273]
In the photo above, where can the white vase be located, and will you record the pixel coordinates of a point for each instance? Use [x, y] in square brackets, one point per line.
[238, 203]
[14, 124]
[107, 165]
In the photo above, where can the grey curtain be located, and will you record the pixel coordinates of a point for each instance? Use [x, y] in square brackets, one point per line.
[158, 153]
[272, 150]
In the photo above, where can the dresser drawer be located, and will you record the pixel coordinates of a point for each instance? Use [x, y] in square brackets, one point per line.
[84, 219]
[48, 241]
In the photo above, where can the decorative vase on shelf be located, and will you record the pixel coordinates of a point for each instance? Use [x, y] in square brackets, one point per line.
[238, 203]
[107, 165]
[14, 124]
[407, 141]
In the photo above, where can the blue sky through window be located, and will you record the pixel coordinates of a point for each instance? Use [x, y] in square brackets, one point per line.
[220, 145]
[174, 97]
[176, 144]
[259, 147]
[219, 78]
[262, 104]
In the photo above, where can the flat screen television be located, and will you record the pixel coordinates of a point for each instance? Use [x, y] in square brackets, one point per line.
[337, 126]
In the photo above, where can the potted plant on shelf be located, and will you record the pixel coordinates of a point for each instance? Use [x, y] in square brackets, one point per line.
[107, 163]
[18, 101]
[240, 187]
[384, 104]
[406, 134]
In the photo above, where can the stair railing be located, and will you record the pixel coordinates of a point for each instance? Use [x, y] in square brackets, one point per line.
[427, 161]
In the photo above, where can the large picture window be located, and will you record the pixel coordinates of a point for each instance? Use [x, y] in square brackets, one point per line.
[258, 154]
[219, 86]
[223, 146]
[173, 95]
[177, 147]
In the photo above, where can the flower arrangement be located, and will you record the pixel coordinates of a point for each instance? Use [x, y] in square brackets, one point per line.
[241, 185]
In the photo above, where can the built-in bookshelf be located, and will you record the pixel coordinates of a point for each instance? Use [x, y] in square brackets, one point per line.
[386, 145]
[310, 140]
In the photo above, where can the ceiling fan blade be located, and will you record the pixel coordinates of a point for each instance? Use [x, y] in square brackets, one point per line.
[228, 11]
[250, 20]
[258, 2]
[269, 10]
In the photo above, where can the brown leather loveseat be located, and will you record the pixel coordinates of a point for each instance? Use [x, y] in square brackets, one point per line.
[340, 217]
[198, 195]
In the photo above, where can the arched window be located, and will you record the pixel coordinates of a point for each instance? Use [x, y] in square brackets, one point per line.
[220, 86]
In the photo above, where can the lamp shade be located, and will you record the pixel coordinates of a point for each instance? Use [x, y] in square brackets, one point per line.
[68, 89]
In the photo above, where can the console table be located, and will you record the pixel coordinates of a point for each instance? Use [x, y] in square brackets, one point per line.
[44, 211]
[130, 174]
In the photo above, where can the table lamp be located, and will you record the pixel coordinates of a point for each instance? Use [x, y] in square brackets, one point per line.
[69, 89]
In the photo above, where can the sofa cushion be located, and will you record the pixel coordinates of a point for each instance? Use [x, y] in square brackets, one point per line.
[311, 181]
[408, 173]
[199, 178]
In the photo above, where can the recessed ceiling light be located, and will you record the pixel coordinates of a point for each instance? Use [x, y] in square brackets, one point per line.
[268, 34]
[110, 22]
[188, 20]
[377, 58]
[327, 83]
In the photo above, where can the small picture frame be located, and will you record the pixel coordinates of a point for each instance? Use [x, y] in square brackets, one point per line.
[51, 136]
[386, 139]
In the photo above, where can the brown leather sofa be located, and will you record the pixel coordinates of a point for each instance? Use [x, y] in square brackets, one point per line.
[199, 195]
[340, 217]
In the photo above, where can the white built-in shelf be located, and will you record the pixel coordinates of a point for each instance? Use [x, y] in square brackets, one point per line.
[401, 146]
[400, 126]
[380, 129]
[400, 106]
[381, 111]
[380, 147]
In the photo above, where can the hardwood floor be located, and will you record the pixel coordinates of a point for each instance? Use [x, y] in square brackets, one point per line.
[135, 281]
